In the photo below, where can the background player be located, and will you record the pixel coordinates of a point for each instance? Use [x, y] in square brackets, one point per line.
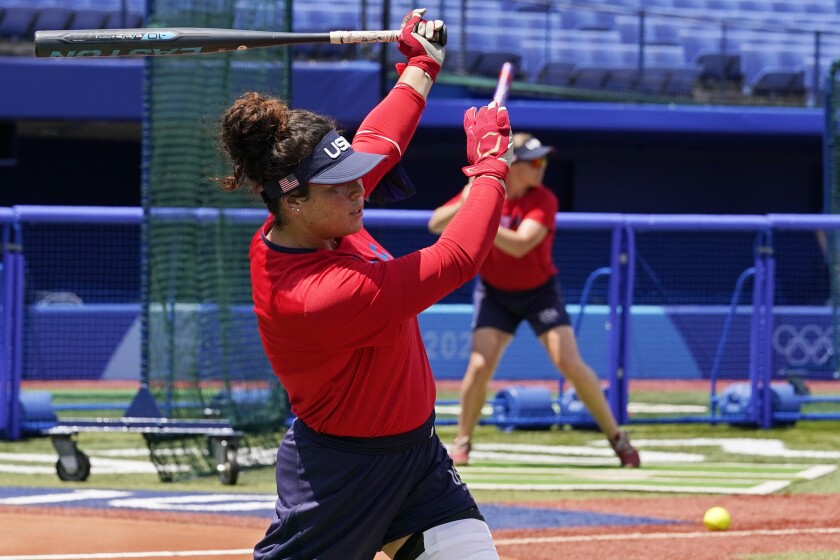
[361, 468]
[518, 282]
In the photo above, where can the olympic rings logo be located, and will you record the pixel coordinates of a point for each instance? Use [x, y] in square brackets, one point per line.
[810, 344]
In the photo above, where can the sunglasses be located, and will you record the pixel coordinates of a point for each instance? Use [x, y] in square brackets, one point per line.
[535, 163]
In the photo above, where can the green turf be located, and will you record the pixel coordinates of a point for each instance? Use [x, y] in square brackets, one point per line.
[811, 435]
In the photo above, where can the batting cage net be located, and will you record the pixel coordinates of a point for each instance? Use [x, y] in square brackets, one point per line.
[202, 357]
[830, 239]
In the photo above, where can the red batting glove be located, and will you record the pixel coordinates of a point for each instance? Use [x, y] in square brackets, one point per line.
[415, 42]
[489, 141]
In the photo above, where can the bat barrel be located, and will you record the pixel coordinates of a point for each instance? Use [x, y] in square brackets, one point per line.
[109, 43]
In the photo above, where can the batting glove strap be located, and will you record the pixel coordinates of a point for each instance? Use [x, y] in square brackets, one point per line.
[425, 63]
[492, 167]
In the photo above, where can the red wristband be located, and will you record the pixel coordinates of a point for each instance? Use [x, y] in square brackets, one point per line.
[426, 63]
[490, 166]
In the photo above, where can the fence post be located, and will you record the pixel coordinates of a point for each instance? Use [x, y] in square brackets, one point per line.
[15, 291]
[761, 373]
[766, 349]
[6, 350]
[620, 301]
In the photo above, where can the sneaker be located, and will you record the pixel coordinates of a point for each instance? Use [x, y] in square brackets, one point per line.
[459, 451]
[627, 454]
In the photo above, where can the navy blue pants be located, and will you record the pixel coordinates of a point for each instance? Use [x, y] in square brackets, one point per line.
[543, 307]
[343, 498]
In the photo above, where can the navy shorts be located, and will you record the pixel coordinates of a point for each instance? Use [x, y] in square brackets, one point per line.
[342, 498]
[543, 307]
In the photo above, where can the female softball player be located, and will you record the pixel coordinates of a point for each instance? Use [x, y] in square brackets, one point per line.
[361, 469]
[503, 299]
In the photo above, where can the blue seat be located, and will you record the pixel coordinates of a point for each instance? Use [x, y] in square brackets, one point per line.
[555, 73]
[53, 18]
[667, 73]
[662, 31]
[755, 6]
[724, 5]
[588, 19]
[786, 6]
[489, 64]
[770, 72]
[817, 7]
[690, 4]
[658, 3]
[463, 60]
[115, 20]
[17, 22]
[594, 71]
[719, 60]
[89, 19]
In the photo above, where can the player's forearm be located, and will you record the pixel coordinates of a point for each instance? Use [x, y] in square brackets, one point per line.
[456, 257]
[442, 216]
[417, 79]
[473, 227]
[507, 241]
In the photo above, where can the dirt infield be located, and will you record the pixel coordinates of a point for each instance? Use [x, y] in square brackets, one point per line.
[760, 524]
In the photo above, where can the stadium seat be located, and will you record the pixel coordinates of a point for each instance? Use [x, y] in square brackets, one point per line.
[818, 7]
[464, 59]
[718, 60]
[89, 19]
[588, 19]
[658, 4]
[115, 20]
[496, 38]
[666, 72]
[723, 5]
[17, 22]
[658, 30]
[662, 31]
[524, 6]
[52, 18]
[606, 67]
[690, 4]
[555, 73]
[755, 6]
[771, 72]
[489, 64]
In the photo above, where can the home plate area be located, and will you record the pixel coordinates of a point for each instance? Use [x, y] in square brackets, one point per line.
[546, 468]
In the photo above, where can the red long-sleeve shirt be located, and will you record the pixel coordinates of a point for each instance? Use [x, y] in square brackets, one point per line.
[533, 269]
[340, 327]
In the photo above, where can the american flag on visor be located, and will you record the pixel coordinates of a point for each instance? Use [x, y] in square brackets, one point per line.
[288, 183]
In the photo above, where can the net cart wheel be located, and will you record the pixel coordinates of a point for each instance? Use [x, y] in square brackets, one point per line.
[66, 471]
[227, 466]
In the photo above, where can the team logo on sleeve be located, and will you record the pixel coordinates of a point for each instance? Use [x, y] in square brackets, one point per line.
[380, 253]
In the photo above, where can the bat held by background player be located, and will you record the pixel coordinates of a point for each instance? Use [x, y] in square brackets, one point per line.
[503, 85]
